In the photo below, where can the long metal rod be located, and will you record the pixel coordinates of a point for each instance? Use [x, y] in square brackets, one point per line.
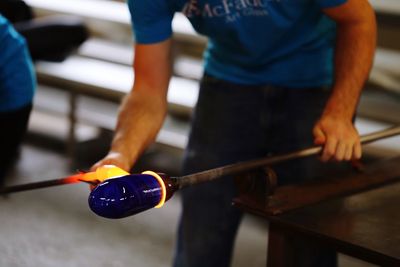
[38, 185]
[241, 167]
[212, 174]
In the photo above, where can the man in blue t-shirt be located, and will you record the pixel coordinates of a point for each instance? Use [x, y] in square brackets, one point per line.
[17, 85]
[279, 75]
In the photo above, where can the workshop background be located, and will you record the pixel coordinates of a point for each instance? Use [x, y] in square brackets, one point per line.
[71, 125]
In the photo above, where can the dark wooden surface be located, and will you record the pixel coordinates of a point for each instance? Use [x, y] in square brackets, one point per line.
[373, 176]
[289, 197]
[365, 225]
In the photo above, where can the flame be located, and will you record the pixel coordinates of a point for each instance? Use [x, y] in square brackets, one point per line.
[101, 174]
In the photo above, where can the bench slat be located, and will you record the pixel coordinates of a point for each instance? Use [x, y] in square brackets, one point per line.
[109, 81]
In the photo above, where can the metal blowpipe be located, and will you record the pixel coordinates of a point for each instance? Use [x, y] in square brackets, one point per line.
[134, 193]
[118, 194]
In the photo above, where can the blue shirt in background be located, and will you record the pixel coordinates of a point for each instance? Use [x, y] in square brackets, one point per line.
[17, 79]
[285, 43]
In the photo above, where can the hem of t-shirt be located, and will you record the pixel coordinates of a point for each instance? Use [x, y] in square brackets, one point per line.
[298, 84]
[15, 107]
[332, 3]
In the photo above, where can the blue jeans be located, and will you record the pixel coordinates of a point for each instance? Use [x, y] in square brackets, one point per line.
[234, 123]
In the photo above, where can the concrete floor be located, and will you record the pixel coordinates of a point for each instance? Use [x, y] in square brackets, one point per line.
[54, 226]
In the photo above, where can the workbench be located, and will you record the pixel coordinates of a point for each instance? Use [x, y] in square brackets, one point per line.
[365, 225]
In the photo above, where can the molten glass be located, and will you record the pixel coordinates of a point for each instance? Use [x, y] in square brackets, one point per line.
[122, 196]
[102, 173]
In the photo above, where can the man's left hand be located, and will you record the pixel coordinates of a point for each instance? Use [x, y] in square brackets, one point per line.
[339, 138]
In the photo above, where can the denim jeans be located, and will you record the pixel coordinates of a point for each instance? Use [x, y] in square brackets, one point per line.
[234, 123]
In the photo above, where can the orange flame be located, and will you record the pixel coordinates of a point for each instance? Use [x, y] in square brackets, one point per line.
[102, 173]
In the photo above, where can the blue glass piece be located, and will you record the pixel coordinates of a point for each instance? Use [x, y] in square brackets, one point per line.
[125, 196]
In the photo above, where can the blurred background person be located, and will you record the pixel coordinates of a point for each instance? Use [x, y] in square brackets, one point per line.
[17, 87]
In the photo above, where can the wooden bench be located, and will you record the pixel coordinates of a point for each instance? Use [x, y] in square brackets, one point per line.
[110, 51]
[101, 69]
[81, 76]
[93, 116]
[102, 79]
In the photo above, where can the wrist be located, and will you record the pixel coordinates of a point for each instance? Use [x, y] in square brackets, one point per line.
[124, 153]
[340, 110]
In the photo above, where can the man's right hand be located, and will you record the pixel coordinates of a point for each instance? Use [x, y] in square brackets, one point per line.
[113, 158]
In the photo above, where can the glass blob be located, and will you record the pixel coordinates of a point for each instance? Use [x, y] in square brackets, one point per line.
[125, 196]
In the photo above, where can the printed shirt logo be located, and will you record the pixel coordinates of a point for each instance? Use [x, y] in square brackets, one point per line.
[231, 10]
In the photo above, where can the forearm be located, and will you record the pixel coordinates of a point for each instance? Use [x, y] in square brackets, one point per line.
[143, 109]
[140, 118]
[354, 51]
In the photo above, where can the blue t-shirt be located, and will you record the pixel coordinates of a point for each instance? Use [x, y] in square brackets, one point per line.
[286, 43]
[17, 79]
